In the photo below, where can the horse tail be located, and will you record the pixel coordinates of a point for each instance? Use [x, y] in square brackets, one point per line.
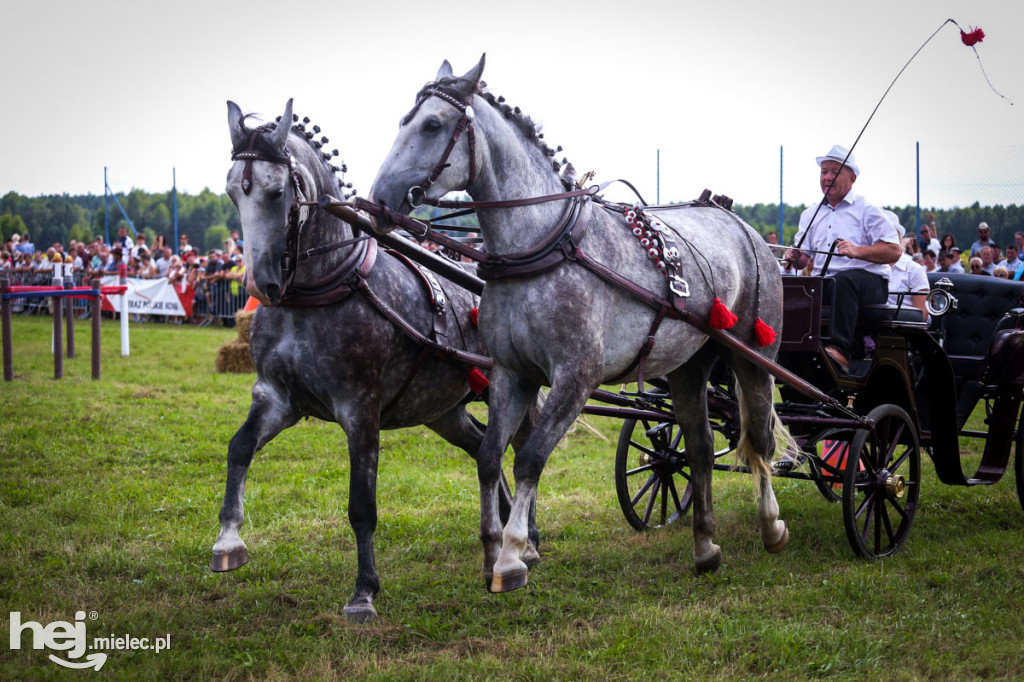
[759, 463]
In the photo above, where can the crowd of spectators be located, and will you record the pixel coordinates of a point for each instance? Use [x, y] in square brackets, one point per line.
[932, 254]
[216, 277]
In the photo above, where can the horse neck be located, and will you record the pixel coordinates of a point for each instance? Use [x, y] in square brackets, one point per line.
[320, 228]
[515, 168]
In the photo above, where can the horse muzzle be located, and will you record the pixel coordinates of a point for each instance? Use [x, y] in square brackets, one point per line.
[272, 295]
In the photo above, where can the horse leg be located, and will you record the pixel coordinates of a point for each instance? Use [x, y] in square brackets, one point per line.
[569, 393]
[688, 386]
[462, 430]
[268, 416]
[531, 555]
[510, 399]
[757, 444]
[363, 433]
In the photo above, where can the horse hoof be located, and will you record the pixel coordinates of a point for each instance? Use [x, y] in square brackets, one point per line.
[510, 580]
[781, 544]
[530, 557]
[360, 613]
[229, 561]
[709, 565]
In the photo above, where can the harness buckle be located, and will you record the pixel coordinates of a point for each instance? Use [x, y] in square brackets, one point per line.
[678, 286]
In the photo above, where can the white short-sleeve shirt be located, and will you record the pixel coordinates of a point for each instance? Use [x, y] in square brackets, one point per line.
[906, 276]
[852, 219]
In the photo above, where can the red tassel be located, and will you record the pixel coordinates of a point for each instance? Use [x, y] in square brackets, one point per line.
[763, 333]
[473, 314]
[973, 38]
[477, 381]
[720, 317]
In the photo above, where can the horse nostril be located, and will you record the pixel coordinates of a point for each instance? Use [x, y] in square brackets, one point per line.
[274, 293]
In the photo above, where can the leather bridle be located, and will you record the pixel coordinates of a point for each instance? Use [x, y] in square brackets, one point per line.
[417, 195]
[298, 215]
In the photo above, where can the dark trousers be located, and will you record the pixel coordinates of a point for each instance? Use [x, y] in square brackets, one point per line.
[854, 288]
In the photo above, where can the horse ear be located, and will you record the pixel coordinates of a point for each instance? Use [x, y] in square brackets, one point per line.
[469, 83]
[280, 137]
[445, 71]
[235, 124]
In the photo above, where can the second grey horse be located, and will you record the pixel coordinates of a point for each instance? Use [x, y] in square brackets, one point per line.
[558, 324]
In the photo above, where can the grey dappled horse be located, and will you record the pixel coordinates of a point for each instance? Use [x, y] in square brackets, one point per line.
[568, 329]
[319, 347]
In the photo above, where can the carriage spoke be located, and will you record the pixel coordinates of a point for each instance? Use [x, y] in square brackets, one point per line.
[869, 507]
[640, 493]
[890, 533]
[644, 449]
[869, 497]
[879, 513]
[664, 500]
[894, 442]
[675, 494]
[651, 501]
[899, 462]
[899, 510]
[640, 469]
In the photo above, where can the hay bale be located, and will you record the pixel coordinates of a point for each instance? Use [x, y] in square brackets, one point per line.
[243, 320]
[234, 357]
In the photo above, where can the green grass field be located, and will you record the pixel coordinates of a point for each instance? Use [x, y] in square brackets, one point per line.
[110, 489]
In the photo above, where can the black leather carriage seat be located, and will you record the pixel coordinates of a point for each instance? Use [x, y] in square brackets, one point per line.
[982, 304]
[808, 305]
[872, 315]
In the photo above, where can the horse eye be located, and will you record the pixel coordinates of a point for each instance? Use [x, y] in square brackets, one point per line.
[432, 125]
[275, 194]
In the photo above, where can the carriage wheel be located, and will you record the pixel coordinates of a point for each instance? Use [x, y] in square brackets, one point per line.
[833, 449]
[652, 479]
[881, 483]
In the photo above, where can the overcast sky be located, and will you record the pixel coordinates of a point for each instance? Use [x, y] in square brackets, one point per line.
[717, 87]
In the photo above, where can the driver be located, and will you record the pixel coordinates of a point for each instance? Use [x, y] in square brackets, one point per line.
[866, 244]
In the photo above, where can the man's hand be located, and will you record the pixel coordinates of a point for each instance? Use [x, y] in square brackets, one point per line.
[797, 259]
[879, 252]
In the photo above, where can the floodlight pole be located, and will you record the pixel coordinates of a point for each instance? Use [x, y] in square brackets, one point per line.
[782, 236]
[174, 200]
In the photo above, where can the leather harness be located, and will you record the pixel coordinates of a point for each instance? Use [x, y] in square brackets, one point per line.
[351, 275]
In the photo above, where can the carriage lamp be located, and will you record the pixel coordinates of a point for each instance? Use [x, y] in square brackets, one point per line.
[940, 300]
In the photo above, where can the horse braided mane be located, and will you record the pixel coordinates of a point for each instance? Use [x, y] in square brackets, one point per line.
[529, 128]
[308, 132]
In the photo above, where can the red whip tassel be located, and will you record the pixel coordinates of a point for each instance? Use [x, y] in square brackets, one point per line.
[477, 381]
[763, 333]
[973, 38]
[720, 317]
[473, 314]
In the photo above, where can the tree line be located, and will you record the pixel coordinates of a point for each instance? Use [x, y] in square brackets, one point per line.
[208, 218]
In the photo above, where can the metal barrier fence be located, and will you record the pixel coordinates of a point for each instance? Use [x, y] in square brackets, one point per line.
[217, 300]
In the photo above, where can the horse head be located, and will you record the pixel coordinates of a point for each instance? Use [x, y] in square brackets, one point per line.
[278, 173]
[428, 159]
